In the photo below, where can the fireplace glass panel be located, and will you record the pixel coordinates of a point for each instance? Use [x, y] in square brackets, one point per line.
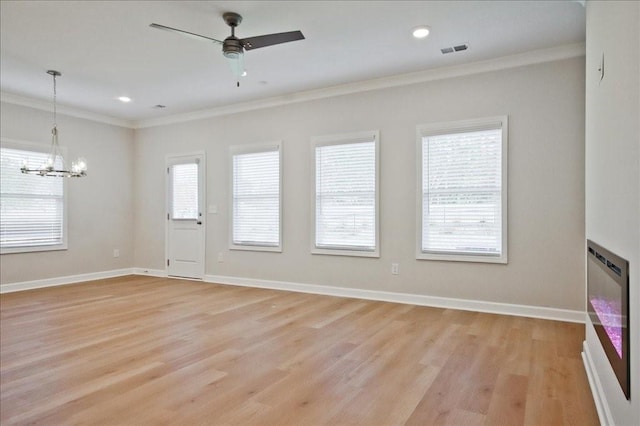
[608, 307]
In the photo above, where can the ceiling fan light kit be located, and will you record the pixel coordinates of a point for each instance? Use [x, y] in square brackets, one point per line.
[233, 48]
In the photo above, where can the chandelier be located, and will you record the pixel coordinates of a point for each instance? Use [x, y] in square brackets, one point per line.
[55, 164]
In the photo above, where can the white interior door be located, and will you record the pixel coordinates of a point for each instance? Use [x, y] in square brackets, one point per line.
[185, 219]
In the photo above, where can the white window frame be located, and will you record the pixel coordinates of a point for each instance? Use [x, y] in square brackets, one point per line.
[497, 122]
[171, 189]
[251, 149]
[344, 139]
[40, 148]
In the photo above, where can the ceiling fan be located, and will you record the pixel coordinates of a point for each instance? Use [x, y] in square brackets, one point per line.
[233, 47]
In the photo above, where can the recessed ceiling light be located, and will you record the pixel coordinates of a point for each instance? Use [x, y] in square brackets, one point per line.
[124, 99]
[421, 31]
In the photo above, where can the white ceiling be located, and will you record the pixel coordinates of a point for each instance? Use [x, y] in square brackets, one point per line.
[106, 49]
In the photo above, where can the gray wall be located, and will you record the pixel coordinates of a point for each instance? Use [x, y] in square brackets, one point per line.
[545, 104]
[100, 217]
[613, 171]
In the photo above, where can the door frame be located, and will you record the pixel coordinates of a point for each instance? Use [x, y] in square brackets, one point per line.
[172, 159]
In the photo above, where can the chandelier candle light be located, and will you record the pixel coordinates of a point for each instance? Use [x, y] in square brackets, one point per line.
[55, 164]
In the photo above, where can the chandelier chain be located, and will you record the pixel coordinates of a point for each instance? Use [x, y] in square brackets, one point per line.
[55, 92]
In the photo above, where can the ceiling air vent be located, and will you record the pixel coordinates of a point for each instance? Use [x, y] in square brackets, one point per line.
[457, 48]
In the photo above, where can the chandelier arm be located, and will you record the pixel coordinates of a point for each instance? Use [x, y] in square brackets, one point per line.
[55, 149]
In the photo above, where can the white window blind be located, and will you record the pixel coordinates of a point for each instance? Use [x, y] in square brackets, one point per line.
[462, 193]
[345, 204]
[31, 207]
[256, 198]
[184, 185]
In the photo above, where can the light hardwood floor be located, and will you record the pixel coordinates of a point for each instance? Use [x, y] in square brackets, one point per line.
[141, 350]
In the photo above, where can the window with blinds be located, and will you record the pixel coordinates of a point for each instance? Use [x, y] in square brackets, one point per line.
[32, 208]
[184, 190]
[463, 191]
[346, 195]
[256, 202]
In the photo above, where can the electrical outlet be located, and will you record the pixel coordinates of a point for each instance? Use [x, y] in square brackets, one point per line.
[395, 268]
[116, 253]
[220, 257]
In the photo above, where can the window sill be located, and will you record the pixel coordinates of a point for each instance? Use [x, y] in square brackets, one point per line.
[343, 252]
[272, 249]
[34, 249]
[472, 258]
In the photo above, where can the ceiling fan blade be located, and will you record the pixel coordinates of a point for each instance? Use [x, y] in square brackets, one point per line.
[185, 33]
[270, 39]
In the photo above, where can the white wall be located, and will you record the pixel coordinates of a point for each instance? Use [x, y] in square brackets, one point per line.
[613, 172]
[545, 104]
[100, 216]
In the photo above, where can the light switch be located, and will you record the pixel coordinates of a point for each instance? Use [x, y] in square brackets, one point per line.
[213, 209]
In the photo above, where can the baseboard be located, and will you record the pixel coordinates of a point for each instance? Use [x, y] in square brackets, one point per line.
[150, 272]
[70, 279]
[356, 293]
[599, 397]
[412, 299]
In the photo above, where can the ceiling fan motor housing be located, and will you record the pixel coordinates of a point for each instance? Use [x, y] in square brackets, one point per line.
[232, 47]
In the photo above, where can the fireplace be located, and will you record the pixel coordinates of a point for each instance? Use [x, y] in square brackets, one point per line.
[608, 307]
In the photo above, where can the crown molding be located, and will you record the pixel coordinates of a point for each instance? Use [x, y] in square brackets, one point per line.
[12, 98]
[506, 62]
